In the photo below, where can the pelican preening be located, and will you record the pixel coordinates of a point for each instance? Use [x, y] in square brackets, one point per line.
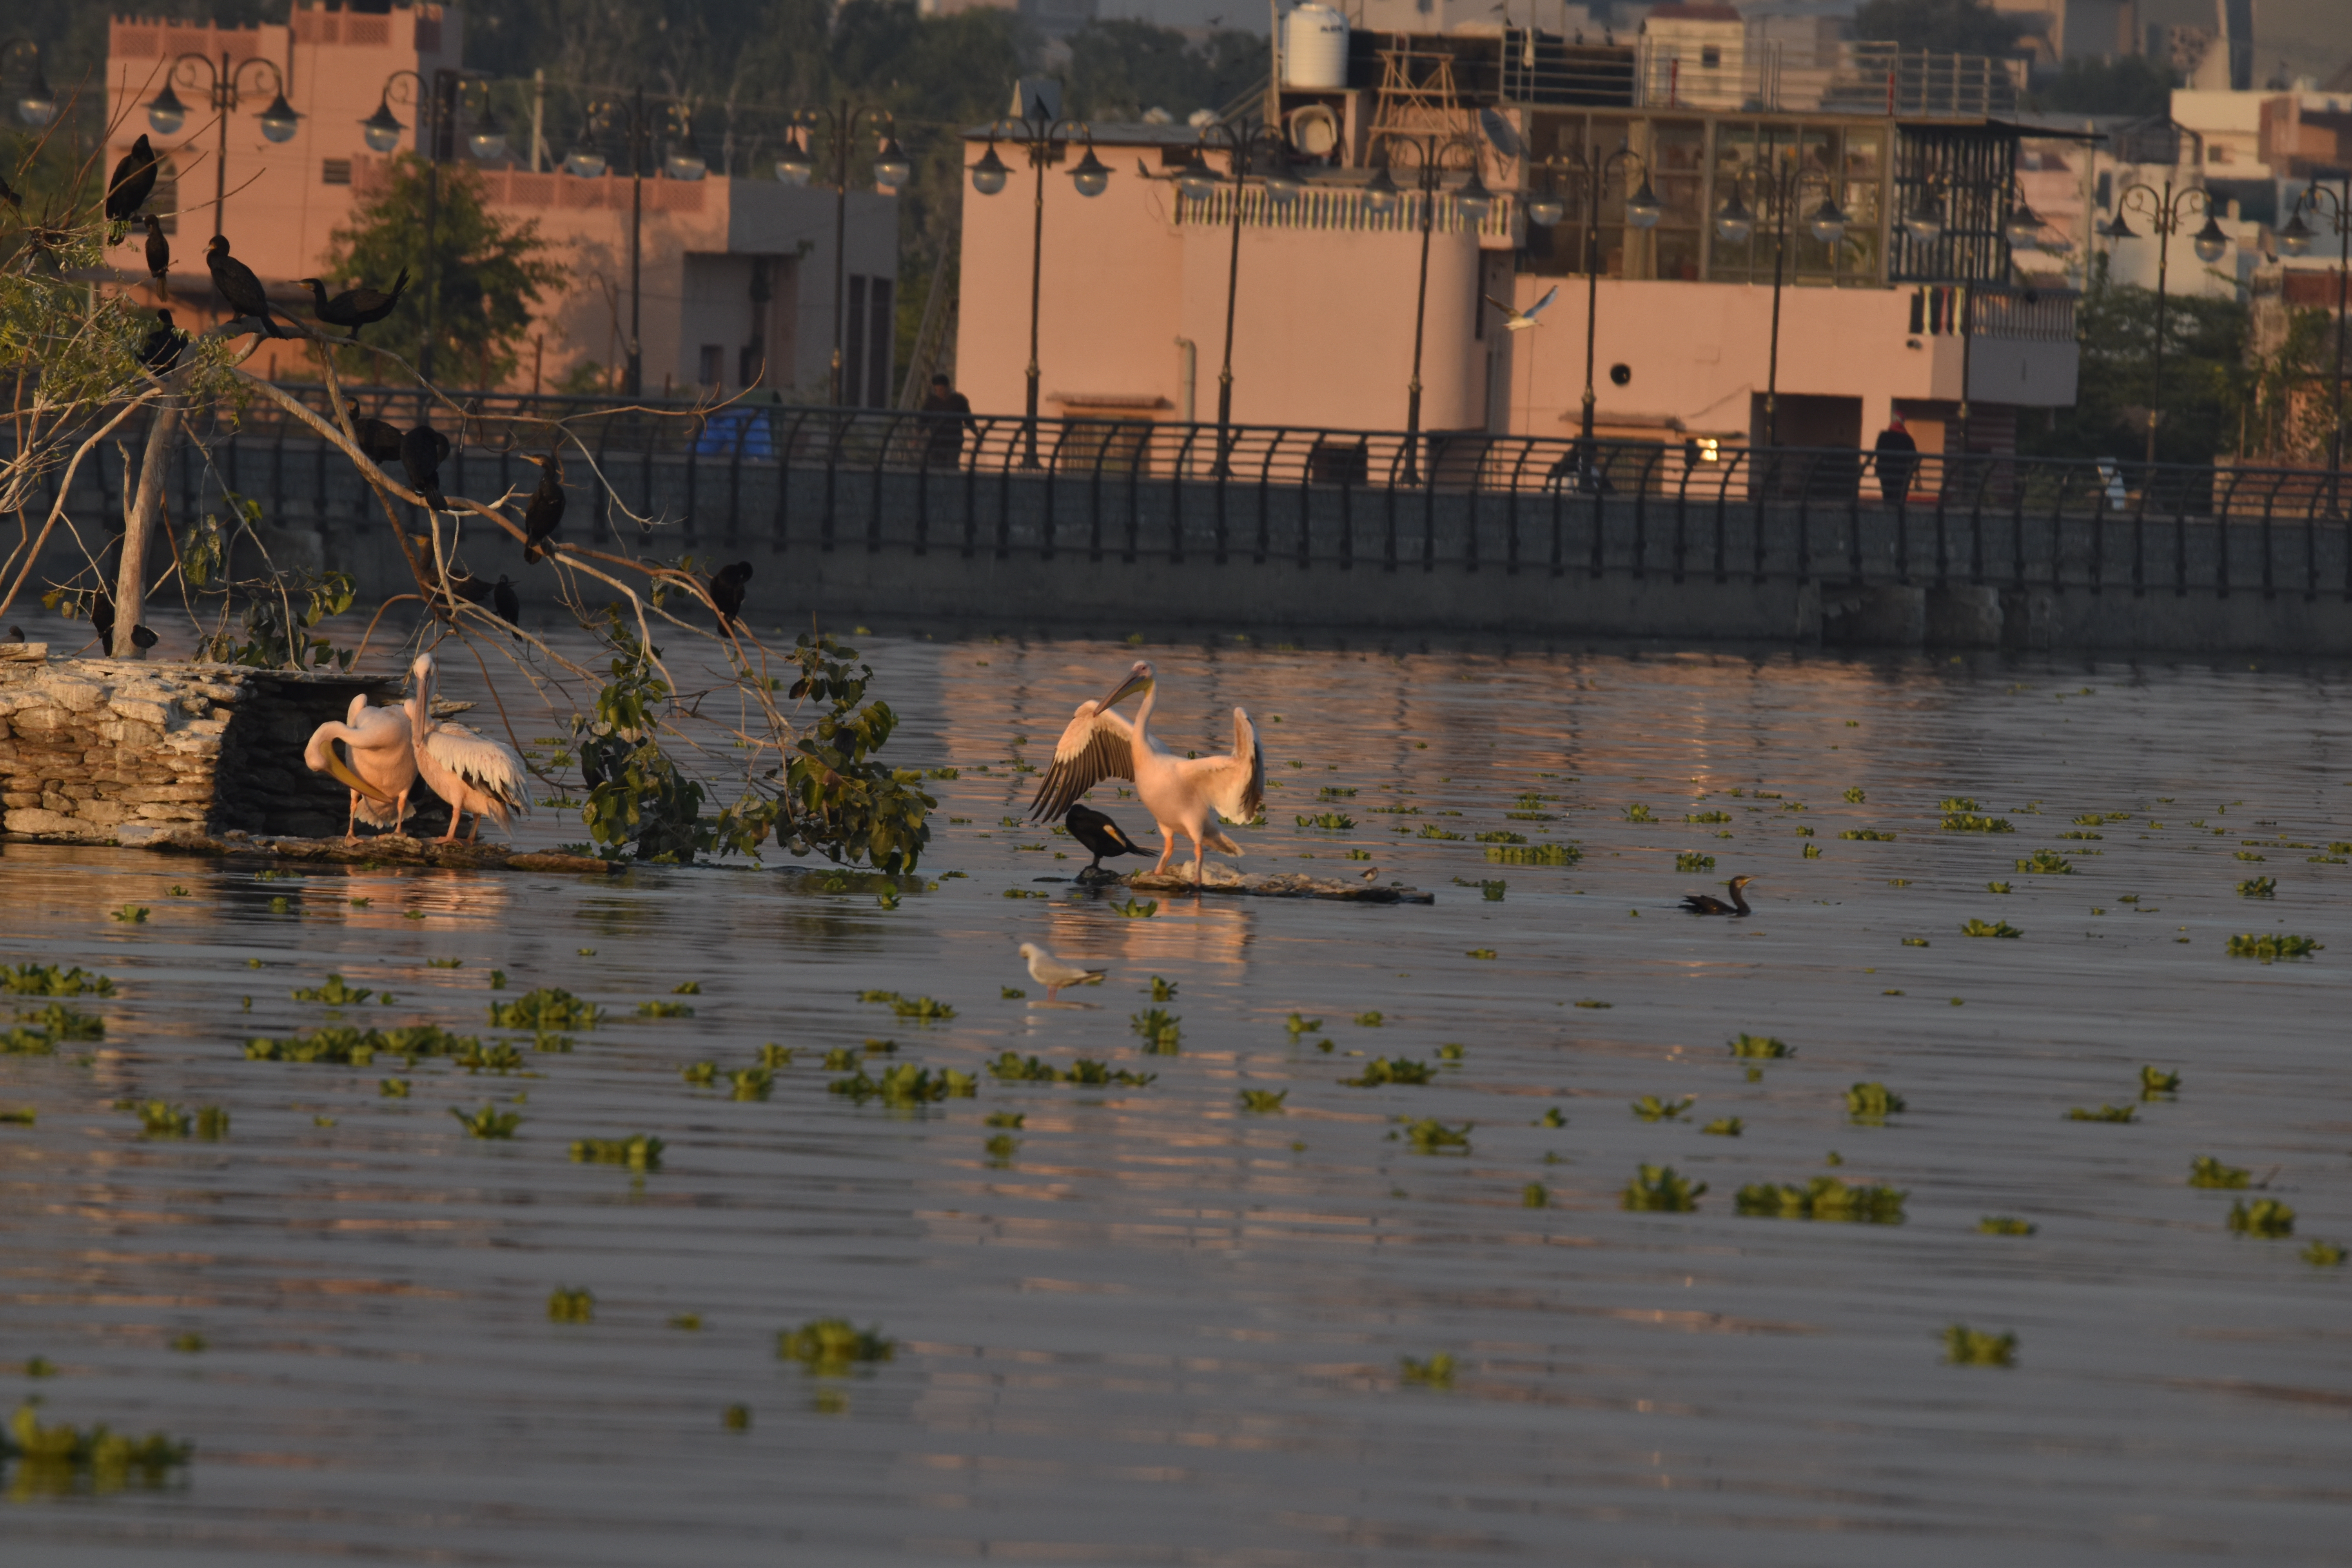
[1183, 794]
[1708, 904]
[383, 768]
[471, 770]
[1053, 974]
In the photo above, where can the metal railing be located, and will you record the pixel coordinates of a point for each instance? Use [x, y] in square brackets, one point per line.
[1759, 74]
[798, 479]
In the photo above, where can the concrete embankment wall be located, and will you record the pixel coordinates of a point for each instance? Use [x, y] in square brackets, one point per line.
[894, 543]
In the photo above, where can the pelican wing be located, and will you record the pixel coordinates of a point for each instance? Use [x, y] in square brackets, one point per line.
[1098, 744]
[490, 766]
[1235, 784]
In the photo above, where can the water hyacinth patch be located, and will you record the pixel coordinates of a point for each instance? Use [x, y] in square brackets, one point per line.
[1437, 1371]
[2105, 1113]
[1159, 1029]
[907, 1084]
[1534, 1195]
[1965, 1346]
[1015, 1068]
[1871, 1103]
[1012, 1119]
[2258, 887]
[1480, 952]
[1332, 821]
[2154, 1081]
[2323, 1255]
[1988, 928]
[2266, 1217]
[1997, 887]
[47, 980]
[392, 1088]
[1534, 854]
[487, 1122]
[1369, 1020]
[1298, 1025]
[2207, 1172]
[663, 1010]
[1725, 1127]
[1824, 1198]
[2046, 863]
[549, 1008]
[161, 1118]
[571, 1305]
[334, 993]
[1649, 1108]
[60, 1459]
[1136, 909]
[1693, 862]
[356, 1048]
[1263, 1101]
[750, 1083]
[1551, 1117]
[1764, 1046]
[1431, 1136]
[1637, 813]
[1868, 836]
[2269, 947]
[833, 1346]
[212, 1123]
[1400, 1071]
[1656, 1189]
[2005, 1225]
[1162, 990]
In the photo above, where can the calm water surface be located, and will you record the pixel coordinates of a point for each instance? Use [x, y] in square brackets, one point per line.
[1164, 1331]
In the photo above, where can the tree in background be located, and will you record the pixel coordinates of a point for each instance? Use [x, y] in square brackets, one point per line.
[1946, 26]
[2208, 390]
[1120, 69]
[2128, 84]
[493, 274]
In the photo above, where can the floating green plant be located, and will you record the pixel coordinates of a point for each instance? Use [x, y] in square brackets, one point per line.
[1997, 887]
[2005, 1225]
[736, 1418]
[1138, 908]
[1824, 1198]
[1012, 992]
[1706, 816]
[53, 1025]
[1430, 1135]
[1301, 1026]
[2207, 1172]
[161, 1118]
[1400, 1070]
[1369, 1020]
[136, 914]
[1503, 837]
[907, 1084]
[750, 1083]
[445, 963]
[392, 1088]
[1534, 1195]
[1868, 835]
[1970, 822]
[25, 1116]
[212, 1123]
[547, 1008]
[1965, 1346]
[2323, 1255]
[487, 1122]
[1493, 891]
[1872, 1103]
[1725, 1127]
[1026, 893]
[1437, 1371]
[1335, 821]
[772, 1054]
[1649, 1108]
[1985, 928]
[888, 897]
[663, 1010]
[1012, 1119]
[1855, 796]
[1693, 862]
[1534, 854]
[1551, 1117]
[1766, 1046]
[1656, 1188]
[501, 1058]
[47, 980]
[2258, 887]
[1001, 1148]
[2105, 1113]
[832, 1346]
[1916, 941]
[1162, 990]
[2248, 854]
[39, 1366]
[1450, 1052]
[1483, 953]
[571, 1305]
[357, 1047]
[2266, 1217]
[1263, 1101]
[1431, 831]
[2080, 834]
[2046, 863]
[1637, 814]
[60, 1459]
[1812, 851]
[1159, 1027]
[2155, 1082]
[2269, 947]
[921, 1008]
[189, 1344]
[840, 1059]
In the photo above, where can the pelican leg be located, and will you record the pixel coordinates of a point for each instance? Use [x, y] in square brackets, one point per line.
[352, 821]
[1200, 859]
[451, 836]
[1167, 847]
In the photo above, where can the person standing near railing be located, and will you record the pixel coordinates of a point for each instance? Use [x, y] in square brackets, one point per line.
[947, 434]
[1898, 455]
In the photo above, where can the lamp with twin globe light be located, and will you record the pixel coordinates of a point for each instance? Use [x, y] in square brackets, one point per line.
[1091, 176]
[1827, 224]
[1733, 222]
[793, 164]
[488, 140]
[380, 130]
[2023, 228]
[586, 163]
[2210, 241]
[891, 169]
[278, 122]
[2296, 238]
[1196, 179]
[1474, 199]
[987, 175]
[1380, 193]
[165, 112]
[1925, 222]
[37, 104]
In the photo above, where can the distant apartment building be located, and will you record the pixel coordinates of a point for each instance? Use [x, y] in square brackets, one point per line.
[1134, 282]
[735, 277]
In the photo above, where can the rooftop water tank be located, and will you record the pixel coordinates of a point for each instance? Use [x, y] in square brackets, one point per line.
[1315, 48]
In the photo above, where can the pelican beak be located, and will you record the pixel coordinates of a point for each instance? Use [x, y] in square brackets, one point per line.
[1131, 684]
[337, 767]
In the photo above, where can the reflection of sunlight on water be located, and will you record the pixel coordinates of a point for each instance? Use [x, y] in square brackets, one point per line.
[1164, 1326]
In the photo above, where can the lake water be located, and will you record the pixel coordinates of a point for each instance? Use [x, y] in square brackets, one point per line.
[1164, 1330]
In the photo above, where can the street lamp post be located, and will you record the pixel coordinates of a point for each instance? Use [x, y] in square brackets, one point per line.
[1036, 133]
[37, 105]
[1380, 193]
[1642, 210]
[438, 102]
[2165, 210]
[891, 171]
[683, 161]
[2296, 240]
[166, 113]
[1199, 182]
[1781, 188]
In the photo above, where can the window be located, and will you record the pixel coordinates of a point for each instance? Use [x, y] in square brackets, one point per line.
[713, 357]
[1711, 57]
[335, 171]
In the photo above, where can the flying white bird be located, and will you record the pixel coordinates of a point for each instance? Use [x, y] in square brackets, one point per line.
[1183, 794]
[1518, 320]
[471, 770]
[1053, 974]
[383, 768]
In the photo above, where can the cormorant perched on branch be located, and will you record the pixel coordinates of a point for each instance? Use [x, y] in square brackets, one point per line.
[727, 592]
[546, 511]
[506, 601]
[379, 440]
[355, 308]
[159, 255]
[236, 283]
[421, 451]
[1100, 834]
[161, 351]
[1708, 904]
[134, 180]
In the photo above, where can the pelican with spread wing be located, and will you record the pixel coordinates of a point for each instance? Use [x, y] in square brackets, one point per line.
[1183, 794]
[471, 770]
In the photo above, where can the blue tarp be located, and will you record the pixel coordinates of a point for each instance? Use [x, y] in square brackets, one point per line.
[750, 426]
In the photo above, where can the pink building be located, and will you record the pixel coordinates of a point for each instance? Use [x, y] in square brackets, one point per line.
[735, 277]
[1133, 282]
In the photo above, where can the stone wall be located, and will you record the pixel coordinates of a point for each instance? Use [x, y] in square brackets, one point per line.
[129, 751]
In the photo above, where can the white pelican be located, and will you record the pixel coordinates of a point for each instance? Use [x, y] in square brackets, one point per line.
[468, 770]
[1053, 974]
[383, 768]
[1183, 794]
